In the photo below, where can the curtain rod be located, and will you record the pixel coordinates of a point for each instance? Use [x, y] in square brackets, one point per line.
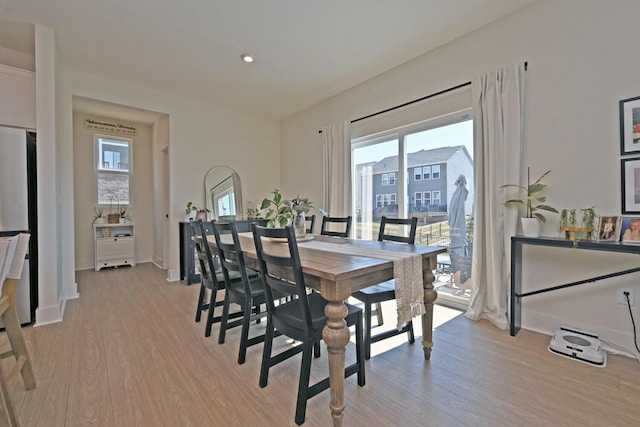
[416, 100]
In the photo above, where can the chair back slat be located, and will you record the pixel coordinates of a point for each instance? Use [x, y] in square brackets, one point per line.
[384, 234]
[230, 254]
[280, 267]
[328, 221]
[207, 263]
[310, 223]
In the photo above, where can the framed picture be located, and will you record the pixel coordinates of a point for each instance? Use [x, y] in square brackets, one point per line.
[630, 229]
[630, 126]
[609, 228]
[630, 177]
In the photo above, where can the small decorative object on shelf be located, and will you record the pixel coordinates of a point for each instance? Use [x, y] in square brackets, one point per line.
[114, 218]
[575, 229]
[193, 212]
[106, 232]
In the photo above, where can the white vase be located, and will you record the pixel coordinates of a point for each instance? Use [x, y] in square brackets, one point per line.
[530, 227]
[299, 224]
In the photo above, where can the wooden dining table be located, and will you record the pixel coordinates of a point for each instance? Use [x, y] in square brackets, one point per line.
[336, 276]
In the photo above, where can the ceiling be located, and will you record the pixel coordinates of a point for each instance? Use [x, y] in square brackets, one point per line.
[306, 50]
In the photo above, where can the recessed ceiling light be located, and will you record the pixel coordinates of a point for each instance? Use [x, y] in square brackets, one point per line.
[246, 57]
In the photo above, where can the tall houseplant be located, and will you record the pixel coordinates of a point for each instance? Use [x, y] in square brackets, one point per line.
[534, 202]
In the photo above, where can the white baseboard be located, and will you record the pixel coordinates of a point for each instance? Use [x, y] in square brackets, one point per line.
[173, 275]
[49, 315]
[157, 261]
[70, 292]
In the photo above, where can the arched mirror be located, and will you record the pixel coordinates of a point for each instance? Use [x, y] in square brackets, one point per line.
[223, 193]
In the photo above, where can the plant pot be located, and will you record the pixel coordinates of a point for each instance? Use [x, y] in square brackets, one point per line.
[570, 232]
[299, 224]
[113, 218]
[530, 227]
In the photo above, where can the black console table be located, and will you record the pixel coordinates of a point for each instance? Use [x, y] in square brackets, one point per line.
[188, 270]
[517, 243]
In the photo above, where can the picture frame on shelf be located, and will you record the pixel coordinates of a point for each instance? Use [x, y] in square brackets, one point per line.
[630, 185]
[630, 126]
[609, 228]
[630, 229]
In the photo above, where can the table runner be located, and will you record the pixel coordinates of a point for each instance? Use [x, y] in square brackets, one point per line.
[407, 272]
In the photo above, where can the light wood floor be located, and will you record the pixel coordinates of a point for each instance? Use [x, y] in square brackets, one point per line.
[129, 353]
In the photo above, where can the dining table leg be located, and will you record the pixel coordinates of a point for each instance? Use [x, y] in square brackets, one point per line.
[430, 296]
[336, 335]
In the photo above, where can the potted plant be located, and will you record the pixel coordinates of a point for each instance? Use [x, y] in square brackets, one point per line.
[253, 213]
[278, 210]
[124, 216]
[300, 206]
[570, 225]
[98, 216]
[193, 212]
[534, 202]
[113, 218]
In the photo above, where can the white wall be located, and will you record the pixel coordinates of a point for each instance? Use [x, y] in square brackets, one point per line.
[200, 136]
[583, 59]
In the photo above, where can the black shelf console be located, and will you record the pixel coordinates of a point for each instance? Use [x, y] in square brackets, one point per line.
[517, 243]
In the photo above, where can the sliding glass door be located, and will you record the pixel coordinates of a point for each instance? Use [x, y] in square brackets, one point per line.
[414, 172]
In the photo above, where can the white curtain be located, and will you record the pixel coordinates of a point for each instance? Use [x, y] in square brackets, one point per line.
[336, 150]
[498, 99]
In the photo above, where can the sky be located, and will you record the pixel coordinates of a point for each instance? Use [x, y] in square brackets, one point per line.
[446, 136]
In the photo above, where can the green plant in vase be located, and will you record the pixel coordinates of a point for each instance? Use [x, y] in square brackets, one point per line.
[534, 202]
[124, 215]
[300, 206]
[98, 216]
[572, 227]
[278, 210]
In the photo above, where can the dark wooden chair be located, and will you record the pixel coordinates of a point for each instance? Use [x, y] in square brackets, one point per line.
[385, 291]
[301, 318]
[247, 292]
[211, 277]
[311, 222]
[327, 221]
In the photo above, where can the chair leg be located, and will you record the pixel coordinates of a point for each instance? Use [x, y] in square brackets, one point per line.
[266, 354]
[7, 401]
[367, 331]
[379, 313]
[316, 350]
[19, 350]
[244, 335]
[224, 318]
[14, 332]
[210, 311]
[200, 301]
[303, 384]
[412, 337]
[360, 351]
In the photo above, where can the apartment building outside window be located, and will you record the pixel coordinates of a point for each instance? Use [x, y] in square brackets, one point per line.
[113, 170]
